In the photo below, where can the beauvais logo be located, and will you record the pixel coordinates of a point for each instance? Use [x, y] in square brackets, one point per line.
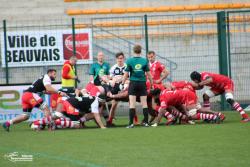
[81, 44]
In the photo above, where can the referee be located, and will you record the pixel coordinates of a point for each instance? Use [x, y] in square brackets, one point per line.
[137, 67]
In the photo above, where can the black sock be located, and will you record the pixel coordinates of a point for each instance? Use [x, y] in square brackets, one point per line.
[145, 113]
[131, 115]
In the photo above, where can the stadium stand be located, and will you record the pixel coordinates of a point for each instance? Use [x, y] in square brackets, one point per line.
[178, 8]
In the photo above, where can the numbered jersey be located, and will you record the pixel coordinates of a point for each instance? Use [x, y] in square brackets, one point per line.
[83, 104]
[39, 85]
[117, 70]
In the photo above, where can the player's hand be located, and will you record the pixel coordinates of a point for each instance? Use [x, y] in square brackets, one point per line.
[109, 94]
[62, 93]
[157, 81]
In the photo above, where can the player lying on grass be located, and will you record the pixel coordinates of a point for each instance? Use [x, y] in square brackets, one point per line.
[32, 98]
[219, 84]
[185, 99]
[185, 85]
[70, 110]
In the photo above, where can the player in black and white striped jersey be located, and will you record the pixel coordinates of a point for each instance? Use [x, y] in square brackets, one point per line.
[116, 74]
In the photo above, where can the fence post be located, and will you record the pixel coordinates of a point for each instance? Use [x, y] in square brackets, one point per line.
[222, 47]
[74, 44]
[146, 32]
[5, 52]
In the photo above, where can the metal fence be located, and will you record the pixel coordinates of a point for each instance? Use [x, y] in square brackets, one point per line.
[183, 42]
[238, 36]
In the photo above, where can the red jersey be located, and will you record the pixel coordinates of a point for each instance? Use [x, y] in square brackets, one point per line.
[156, 69]
[183, 85]
[219, 81]
[172, 98]
[177, 97]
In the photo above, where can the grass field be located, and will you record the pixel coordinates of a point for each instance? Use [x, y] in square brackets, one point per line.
[204, 145]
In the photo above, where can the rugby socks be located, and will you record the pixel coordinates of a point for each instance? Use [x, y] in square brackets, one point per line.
[168, 115]
[43, 121]
[204, 116]
[177, 113]
[206, 104]
[110, 120]
[131, 115]
[64, 123]
[136, 118]
[238, 108]
[145, 113]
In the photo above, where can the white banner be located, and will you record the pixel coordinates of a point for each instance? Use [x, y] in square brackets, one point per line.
[52, 47]
[11, 106]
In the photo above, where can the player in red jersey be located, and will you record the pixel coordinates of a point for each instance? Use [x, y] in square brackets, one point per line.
[219, 84]
[185, 99]
[157, 70]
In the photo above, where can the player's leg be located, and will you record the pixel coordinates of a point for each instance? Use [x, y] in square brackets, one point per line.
[206, 97]
[132, 102]
[112, 112]
[28, 102]
[236, 106]
[145, 110]
[193, 114]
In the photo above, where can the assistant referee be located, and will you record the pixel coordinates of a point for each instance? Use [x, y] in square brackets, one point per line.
[137, 69]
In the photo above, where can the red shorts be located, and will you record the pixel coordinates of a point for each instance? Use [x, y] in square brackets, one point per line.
[227, 87]
[191, 98]
[69, 109]
[92, 89]
[30, 100]
[53, 100]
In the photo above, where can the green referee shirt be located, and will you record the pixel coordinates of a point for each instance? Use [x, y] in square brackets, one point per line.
[98, 70]
[137, 66]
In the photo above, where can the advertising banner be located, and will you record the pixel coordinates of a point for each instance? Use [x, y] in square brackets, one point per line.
[52, 47]
[10, 103]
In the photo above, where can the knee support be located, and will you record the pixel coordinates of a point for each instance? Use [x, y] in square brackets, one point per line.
[229, 97]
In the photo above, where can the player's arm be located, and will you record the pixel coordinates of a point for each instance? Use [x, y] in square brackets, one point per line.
[196, 86]
[95, 111]
[208, 80]
[49, 88]
[150, 78]
[164, 75]
[125, 77]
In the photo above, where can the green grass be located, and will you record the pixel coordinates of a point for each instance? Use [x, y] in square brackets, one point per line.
[223, 145]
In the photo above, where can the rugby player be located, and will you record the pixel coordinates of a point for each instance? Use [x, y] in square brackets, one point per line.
[185, 99]
[219, 84]
[32, 98]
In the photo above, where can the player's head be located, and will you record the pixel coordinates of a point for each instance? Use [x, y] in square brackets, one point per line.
[52, 74]
[137, 49]
[156, 95]
[73, 60]
[195, 76]
[119, 58]
[151, 56]
[100, 57]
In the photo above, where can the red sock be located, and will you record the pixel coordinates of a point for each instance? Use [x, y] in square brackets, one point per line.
[238, 108]
[110, 120]
[136, 118]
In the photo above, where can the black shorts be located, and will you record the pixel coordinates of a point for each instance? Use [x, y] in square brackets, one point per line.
[137, 88]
